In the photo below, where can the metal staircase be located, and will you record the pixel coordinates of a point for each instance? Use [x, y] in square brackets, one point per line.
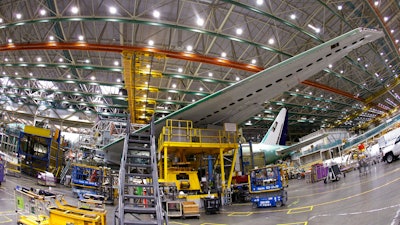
[139, 195]
[65, 171]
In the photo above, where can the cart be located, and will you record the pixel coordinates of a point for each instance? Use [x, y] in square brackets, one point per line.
[334, 174]
[1, 171]
[190, 209]
[211, 205]
[46, 179]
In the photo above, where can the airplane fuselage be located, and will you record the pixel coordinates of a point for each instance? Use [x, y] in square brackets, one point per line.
[270, 151]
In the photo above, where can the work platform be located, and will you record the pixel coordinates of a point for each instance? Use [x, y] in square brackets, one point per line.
[181, 149]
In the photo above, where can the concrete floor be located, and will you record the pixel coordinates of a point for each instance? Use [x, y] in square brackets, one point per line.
[368, 199]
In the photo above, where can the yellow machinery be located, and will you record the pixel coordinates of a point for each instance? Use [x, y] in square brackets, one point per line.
[181, 148]
[63, 205]
[34, 220]
[31, 207]
[62, 216]
[39, 209]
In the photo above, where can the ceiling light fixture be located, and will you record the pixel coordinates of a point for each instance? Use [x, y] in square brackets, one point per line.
[271, 41]
[74, 10]
[112, 10]
[156, 14]
[316, 29]
[200, 21]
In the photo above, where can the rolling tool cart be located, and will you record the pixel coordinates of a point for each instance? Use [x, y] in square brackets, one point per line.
[334, 174]
[211, 205]
[1, 171]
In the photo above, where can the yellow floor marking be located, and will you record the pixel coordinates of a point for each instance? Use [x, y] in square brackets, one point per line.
[295, 223]
[172, 222]
[212, 224]
[240, 214]
[300, 209]
[294, 203]
[5, 219]
[6, 212]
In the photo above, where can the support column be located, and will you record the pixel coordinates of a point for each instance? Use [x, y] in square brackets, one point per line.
[165, 162]
[235, 151]
[221, 158]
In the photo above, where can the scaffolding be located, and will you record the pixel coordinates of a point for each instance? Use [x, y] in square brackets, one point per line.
[137, 73]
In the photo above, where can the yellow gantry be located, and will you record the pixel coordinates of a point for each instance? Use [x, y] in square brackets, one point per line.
[137, 74]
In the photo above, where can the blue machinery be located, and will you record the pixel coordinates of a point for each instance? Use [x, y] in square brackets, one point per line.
[267, 187]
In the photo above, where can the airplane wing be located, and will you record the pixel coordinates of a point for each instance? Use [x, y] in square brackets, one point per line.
[240, 101]
[298, 146]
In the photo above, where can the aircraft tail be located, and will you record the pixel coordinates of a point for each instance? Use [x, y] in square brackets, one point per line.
[278, 131]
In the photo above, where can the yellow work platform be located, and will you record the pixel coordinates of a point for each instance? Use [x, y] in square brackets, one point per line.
[179, 142]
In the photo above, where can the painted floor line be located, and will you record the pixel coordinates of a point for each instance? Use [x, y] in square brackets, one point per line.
[396, 219]
[358, 213]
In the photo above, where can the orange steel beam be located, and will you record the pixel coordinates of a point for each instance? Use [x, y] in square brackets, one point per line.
[334, 90]
[82, 46]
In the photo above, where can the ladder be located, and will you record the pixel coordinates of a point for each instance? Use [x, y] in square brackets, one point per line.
[65, 171]
[139, 195]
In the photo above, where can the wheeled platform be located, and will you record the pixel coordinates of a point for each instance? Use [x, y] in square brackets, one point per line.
[267, 187]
